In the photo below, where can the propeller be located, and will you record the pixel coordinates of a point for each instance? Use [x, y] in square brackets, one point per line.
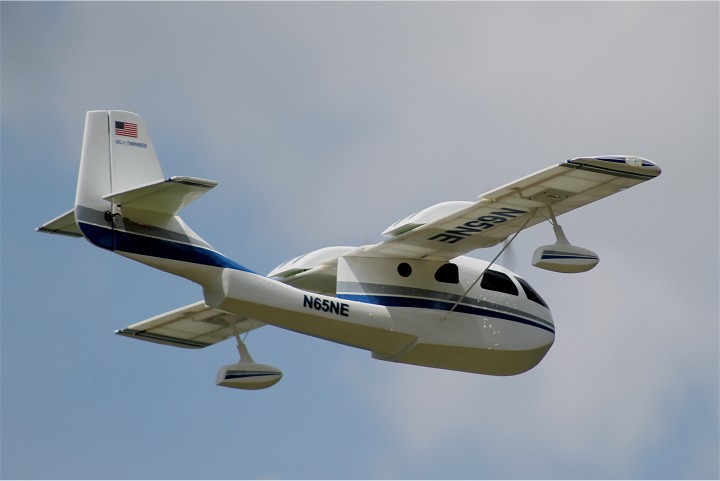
[508, 258]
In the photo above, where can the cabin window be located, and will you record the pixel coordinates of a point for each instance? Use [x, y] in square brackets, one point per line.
[404, 269]
[497, 281]
[530, 292]
[448, 273]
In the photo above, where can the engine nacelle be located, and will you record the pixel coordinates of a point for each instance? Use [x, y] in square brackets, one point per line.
[248, 375]
[307, 261]
[425, 216]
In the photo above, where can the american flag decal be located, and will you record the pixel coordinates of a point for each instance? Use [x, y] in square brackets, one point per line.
[126, 128]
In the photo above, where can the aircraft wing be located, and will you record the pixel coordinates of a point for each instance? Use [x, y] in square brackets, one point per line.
[194, 326]
[451, 229]
[501, 212]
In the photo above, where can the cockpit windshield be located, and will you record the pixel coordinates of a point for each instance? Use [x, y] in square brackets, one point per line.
[499, 282]
[530, 292]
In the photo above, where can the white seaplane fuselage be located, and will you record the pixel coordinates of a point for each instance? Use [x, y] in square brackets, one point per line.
[430, 313]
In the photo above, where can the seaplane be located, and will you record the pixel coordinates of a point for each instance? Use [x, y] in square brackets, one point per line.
[414, 298]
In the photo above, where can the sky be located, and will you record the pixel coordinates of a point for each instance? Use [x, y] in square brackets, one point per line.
[325, 123]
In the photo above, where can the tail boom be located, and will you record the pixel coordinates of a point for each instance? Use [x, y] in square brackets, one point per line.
[356, 324]
[408, 338]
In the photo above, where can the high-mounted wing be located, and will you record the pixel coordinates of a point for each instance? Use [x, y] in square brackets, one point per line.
[503, 211]
[451, 229]
[194, 326]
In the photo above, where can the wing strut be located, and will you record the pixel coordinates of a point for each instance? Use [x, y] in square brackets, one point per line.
[507, 244]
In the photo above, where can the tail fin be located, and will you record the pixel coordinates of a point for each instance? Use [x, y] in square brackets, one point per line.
[124, 203]
[117, 155]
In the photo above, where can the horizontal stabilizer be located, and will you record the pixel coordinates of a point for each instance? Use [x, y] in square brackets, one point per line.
[194, 326]
[162, 196]
[62, 225]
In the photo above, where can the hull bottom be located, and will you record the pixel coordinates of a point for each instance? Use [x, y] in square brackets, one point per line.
[493, 362]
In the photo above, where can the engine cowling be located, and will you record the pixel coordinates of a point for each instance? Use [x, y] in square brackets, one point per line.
[307, 261]
[425, 216]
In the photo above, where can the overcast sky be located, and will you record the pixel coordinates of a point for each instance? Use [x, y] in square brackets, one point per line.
[325, 123]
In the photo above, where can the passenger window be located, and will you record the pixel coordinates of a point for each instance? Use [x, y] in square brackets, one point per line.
[448, 273]
[531, 293]
[404, 269]
[497, 281]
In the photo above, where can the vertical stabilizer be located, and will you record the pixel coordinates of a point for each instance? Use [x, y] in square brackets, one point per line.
[124, 203]
[133, 161]
[117, 155]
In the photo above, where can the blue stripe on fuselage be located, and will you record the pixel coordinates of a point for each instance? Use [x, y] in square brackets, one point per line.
[401, 301]
[118, 240]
